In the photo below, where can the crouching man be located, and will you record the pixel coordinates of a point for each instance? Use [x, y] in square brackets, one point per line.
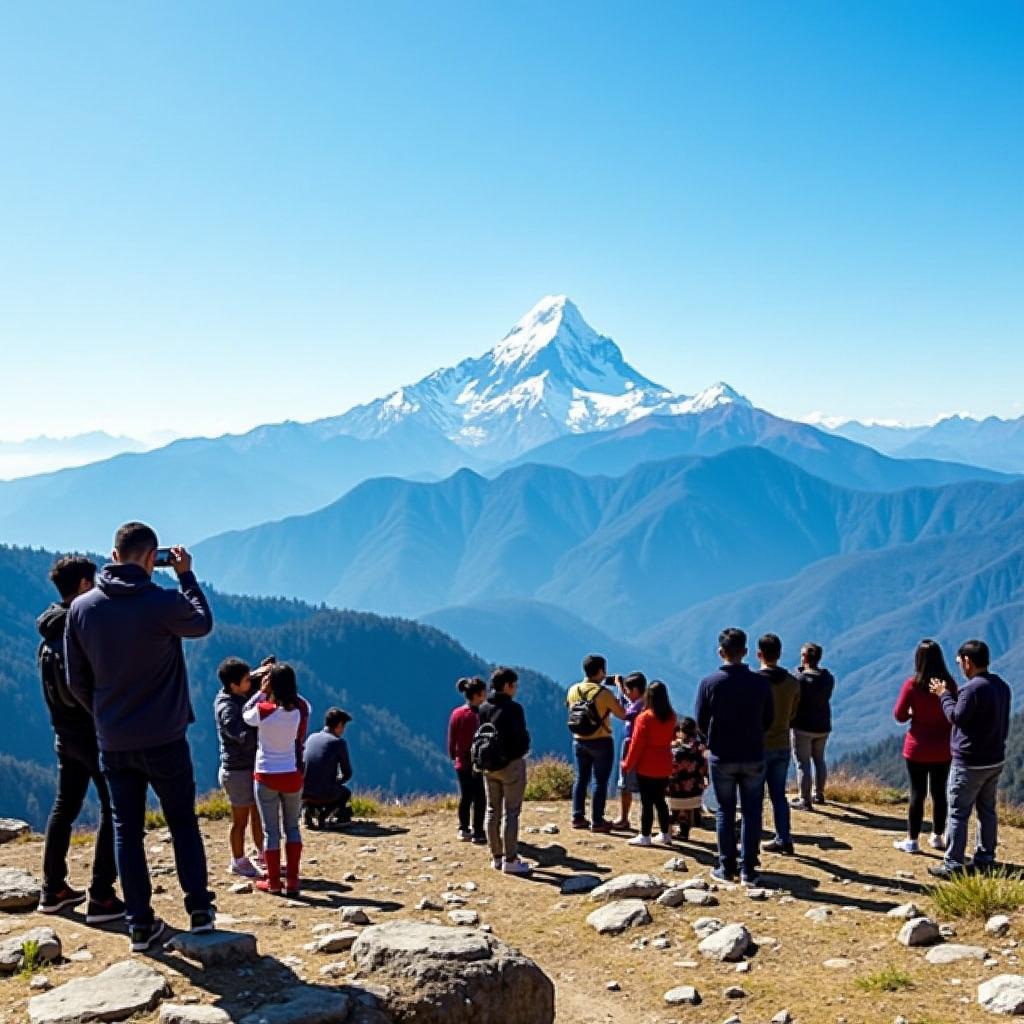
[326, 798]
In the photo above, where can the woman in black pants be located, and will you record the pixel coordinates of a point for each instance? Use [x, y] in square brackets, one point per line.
[926, 748]
[462, 728]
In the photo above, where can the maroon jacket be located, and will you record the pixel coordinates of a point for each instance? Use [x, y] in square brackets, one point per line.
[462, 728]
[928, 736]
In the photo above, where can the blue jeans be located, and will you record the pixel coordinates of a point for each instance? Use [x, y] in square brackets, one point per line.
[594, 758]
[277, 809]
[744, 779]
[971, 788]
[168, 769]
[776, 771]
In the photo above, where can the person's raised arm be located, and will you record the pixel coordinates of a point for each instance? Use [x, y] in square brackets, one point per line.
[188, 615]
[959, 710]
[614, 706]
[76, 665]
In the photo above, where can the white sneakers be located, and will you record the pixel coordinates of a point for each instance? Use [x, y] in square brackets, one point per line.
[664, 839]
[906, 845]
[937, 842]
[640, 841]
[516, 867]
[244, 867]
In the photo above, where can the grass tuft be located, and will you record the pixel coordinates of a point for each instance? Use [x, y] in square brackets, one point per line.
[29, 958]
[888, 979]
[968, 894]
[844, 788]
[549, 779]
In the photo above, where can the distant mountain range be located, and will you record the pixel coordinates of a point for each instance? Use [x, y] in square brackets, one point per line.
[45, 454]
[397, 678]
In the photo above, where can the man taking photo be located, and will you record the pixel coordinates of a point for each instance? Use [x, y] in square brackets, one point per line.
[126, 665]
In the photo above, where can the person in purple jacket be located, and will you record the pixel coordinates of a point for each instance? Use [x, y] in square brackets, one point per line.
[632, 689]
[980, 715]
[126, 665]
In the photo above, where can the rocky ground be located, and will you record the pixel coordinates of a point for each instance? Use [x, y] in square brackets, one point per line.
[804, 948]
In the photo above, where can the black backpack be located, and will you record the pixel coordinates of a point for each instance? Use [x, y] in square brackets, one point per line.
[54, 676]
[584, 718]
[487, 751]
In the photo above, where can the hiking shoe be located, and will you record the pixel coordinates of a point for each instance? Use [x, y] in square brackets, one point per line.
[602, 826]
[60, 900]
[201, 921]
[104, 911]
[244, 867]
[640, 841]
[621, 825]
[778, 846]
[465, 836]
[497, 863]
[721, 875]
[750, 879]
[906, 845]
[516, 867]
[937, 842]
[799, 804]
[946, 871]
[580, 823]
[142, 936]
[479, 839]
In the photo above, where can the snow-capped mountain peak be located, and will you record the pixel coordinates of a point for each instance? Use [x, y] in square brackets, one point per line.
[710, 398]
[556, 319]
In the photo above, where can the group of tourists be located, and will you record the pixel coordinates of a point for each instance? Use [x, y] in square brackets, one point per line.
[749, 726]
[115, 682]
[116, 686]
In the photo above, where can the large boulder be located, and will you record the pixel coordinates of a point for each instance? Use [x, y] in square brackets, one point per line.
[1003, 994]
[116, 993]
[618, 916]
[727, 944]
[12, 951]
[629, 887]
[437, 975]
[18, 890]
[11, 828]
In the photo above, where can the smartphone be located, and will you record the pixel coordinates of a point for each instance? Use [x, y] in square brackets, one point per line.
[164, 558]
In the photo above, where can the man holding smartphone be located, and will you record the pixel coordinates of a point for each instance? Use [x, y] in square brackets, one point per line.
[125, 664]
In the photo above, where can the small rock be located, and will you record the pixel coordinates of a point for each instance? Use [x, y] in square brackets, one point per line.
[11, 828]
[577, 884]
[335, 942]
[819, 915]
[616, 917]
[550, 829]
[354, 915]
[695, 883]
[18, 890]
[782, 1017]
[430, 904]
[1003, 994]
[705, 926]
[758, 894]
[699, 898]
[632, 886]
[613, 986]
[727, 944]
[682, 995]
[905, 912]
[675, 896]
[838, 963]
[919, 931]
[952, 953]
[743, 967]
[734, 992]
[336, 970]
[40, 983]
[242, 888]
[661, 943]
[215, 948]
[12, 951]
[997, 925]
[179, 1013]
[675, 864]
[81, 956]
[464, 918]
[453, 899]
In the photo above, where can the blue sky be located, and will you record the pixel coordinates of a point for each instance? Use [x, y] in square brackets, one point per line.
[217, 215]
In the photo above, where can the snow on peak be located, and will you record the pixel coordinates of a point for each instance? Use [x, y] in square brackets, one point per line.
[556, 318]
[710, 398]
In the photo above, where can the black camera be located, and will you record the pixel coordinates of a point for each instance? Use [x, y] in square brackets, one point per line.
[164, 558]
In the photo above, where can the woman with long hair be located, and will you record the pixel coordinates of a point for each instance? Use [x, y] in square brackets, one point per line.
[926, 748]
[281, 718]
[462, 727]
[650, 756]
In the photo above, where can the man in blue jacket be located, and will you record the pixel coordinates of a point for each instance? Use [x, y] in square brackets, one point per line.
[734, 709]
[125, 664]
[980, 714]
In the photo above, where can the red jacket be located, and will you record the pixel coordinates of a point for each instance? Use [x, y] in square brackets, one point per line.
[462, 728]
[650, 749]
[928, 736]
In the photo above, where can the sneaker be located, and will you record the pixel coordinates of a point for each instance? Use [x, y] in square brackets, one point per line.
[497, 863]
[244, 867]
[937, 842]
[580, 823]
[906, 845]
[721, 875]
[104, 911]
[201, 921]
[664, 839]
[465, 836]
[602, 826]
[778, 846]
[142, 936]
[621, 825]
[750, 879]
[640, 841]
[945, 870]
[479, 839]
[60, 900]
[799, 804]
[516, 867]
[265, 885]
[820, 800]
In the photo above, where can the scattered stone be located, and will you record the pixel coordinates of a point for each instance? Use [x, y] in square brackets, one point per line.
[215, 948]
[576, 885]
[743, 967]
[114, 994]
[695, 883]
[464, 918]
[952, 953]
[626, 887]
[682, 995]
[919, 931]
[734, 992]
[838, 963]
[304, 1004]
[705, 926]
[758, 895]
[675, 896]
[436, 975]
[551, 829]
[616, 917]
[354, 915]
[182, 1013]
[81, 956]
[782, 1017]
[997, 925]
[613, 986]
[905, 912]
[675, 864]
[819, 915]
[336, 970]
[947, 931]
[242, 888]
[18, 890]
[661, 943]
[1003, 994]
[453, 899]
[12, 951]
[335, 942]
[40, 983]
[699, 898]
[11, 828]
[430, 904]
[727, 944]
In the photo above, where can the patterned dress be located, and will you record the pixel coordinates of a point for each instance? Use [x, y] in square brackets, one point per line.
[689, 775]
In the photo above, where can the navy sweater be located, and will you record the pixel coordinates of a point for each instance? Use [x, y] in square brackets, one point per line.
[124, 657]
[237, 740]
[734, 709]
[327, 766]
[980, 714]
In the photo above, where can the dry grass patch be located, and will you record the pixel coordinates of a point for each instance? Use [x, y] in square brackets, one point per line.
[863, 789]
[888, 979]
[979, 895]
[550, 778]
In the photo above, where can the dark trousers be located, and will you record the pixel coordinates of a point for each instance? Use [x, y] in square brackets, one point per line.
[744, 780]
[77, 766]
[332, 810]
[168, 769]
[652, 798]
[925, 777]
[472, 800]
[594, 759]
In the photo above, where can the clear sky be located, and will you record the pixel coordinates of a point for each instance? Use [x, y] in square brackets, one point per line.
[213, 215]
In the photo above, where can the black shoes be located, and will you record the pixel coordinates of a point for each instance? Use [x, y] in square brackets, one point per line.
[775, 846]
[142, 936]
[60, 900]
[201, 921]
[104, 911]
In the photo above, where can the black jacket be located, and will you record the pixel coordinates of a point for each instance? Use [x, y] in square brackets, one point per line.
[509, 721]
[72, 724]
[237, 740]
[815, 711]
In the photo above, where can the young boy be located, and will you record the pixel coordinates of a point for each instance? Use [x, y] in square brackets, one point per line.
[324, 793]
[237, 762]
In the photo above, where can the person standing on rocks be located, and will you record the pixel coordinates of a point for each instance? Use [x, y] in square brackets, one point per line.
[926, 748]
[506, 781]
[980, 716]
[126, 665]
[77, 762]
[812, 726]
[778, 749]
[591, 705]
[462, 726]
[734, 708]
